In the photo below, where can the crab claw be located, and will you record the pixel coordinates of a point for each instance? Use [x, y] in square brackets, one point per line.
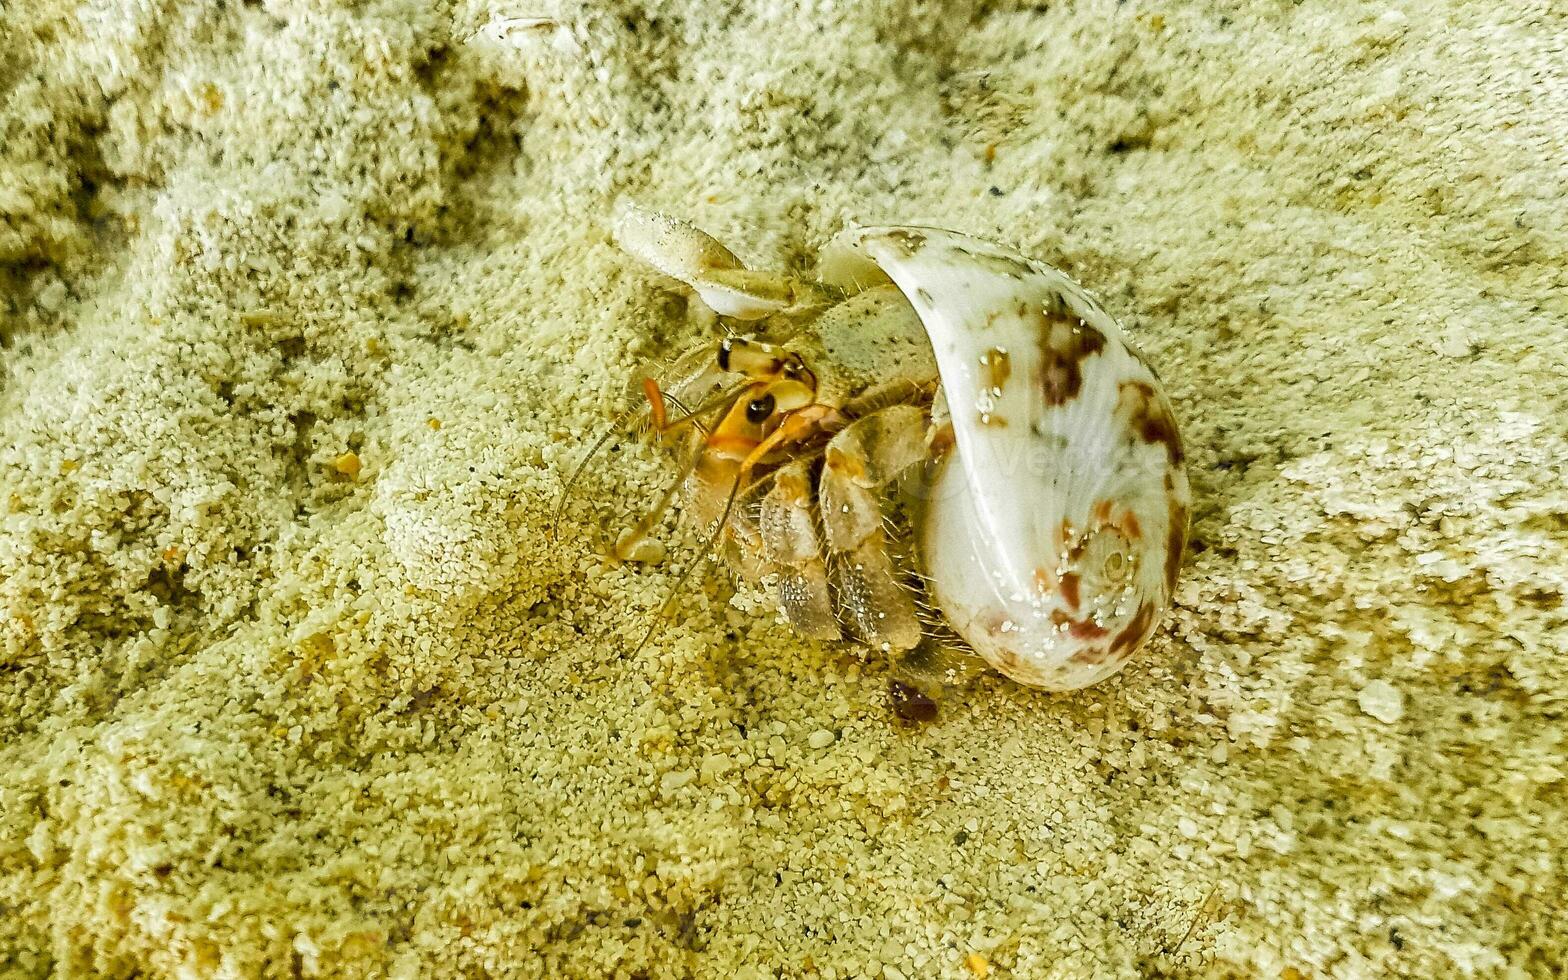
[683, 251]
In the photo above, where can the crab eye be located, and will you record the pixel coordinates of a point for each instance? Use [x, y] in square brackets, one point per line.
[759, 409]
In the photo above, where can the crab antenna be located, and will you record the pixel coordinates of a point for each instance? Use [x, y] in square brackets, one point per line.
[566, 488]
[707, 549]
[695, 415]
[687, 415]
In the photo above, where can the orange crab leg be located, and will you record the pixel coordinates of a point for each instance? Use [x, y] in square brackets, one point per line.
[650, 391]
[629, 539]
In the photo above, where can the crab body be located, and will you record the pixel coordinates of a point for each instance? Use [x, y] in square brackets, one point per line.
[980, 405]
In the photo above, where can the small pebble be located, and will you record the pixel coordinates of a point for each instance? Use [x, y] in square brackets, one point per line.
[645, 552]
[1383, 701]
[672, 781]
[820, 739]
[910, 704]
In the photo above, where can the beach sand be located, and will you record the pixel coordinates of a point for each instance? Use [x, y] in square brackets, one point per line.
[306, 309]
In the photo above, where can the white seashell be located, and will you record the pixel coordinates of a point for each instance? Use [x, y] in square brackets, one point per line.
[1054, 529]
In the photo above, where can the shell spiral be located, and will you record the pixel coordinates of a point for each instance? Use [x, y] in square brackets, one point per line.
[1053, 531]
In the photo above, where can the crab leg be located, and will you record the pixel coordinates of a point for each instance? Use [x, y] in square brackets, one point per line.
[791, 541]
[861, 459]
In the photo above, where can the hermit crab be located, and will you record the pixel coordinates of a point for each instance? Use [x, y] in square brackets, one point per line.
[938, 448]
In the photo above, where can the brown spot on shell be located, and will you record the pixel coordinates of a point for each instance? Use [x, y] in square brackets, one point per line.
[1135, 630]
[1161, 428]
[1065, 343]
[1149, 418]
[1175, 543]
[1090, 655]
[1130, 527]
[1070, 589]
[1086, 629]
[998, 365]
[907, 241]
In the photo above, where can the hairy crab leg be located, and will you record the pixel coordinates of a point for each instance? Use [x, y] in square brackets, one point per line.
[795, 425]
[861, 459]
[792, 543]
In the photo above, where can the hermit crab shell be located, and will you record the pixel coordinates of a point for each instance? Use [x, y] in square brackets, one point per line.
[1053, 530]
